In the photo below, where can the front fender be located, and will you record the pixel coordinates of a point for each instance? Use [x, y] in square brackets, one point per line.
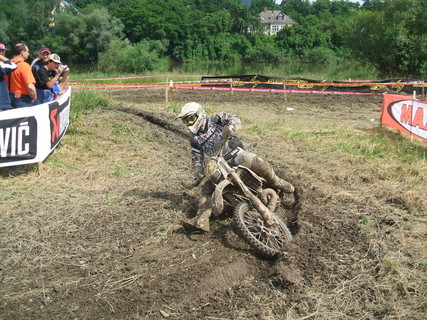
[217, 199]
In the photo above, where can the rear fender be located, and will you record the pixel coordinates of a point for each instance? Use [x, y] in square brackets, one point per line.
[217, 198]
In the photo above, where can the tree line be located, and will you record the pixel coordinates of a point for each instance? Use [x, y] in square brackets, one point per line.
[143, 35]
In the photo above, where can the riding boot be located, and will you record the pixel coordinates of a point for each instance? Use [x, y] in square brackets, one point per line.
[282, 185]
[265, 170]
[201, 221]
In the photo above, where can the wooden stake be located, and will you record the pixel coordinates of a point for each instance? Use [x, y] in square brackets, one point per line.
[286, 96]
[414, 96]
[40, 168]
[171, 89]
[423, 93]
[167, 90]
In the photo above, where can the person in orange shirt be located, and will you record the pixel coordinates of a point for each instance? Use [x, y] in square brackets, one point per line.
[21, 81]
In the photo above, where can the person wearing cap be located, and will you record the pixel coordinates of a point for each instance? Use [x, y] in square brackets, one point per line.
[6, 67]
[42, 57]
[45, 83]
[21, 82]
[2, 49]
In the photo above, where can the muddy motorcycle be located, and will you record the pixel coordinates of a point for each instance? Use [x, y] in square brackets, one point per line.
[258, 209]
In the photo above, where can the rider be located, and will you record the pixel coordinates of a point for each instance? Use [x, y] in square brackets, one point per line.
[207, 135]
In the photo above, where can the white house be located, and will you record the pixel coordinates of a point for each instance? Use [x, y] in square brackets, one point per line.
[275, 20]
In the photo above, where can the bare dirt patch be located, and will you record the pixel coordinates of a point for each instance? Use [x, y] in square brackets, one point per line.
[96, 234]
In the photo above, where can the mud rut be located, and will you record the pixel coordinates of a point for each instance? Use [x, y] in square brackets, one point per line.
[128, 258]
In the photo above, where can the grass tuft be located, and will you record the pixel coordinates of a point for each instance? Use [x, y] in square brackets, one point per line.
[87, 100]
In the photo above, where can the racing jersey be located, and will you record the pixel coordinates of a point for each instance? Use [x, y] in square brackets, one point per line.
[209, 139]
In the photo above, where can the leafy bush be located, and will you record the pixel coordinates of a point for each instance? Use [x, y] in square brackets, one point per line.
[221, 47]
[319, 55]
[144, 56]
[264, 49]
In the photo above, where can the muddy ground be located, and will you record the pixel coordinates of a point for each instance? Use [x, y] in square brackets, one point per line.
[94, 233]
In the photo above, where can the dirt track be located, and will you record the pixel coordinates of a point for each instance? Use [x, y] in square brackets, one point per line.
[96, 234]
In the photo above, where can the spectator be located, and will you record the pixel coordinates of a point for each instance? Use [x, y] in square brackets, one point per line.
[21, 82]
[42, 58]
[2, 49]
[45, 83]
[6, 67]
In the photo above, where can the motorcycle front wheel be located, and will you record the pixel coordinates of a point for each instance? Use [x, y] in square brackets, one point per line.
[269, 241]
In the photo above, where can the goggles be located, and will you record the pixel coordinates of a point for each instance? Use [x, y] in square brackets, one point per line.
[190, 120]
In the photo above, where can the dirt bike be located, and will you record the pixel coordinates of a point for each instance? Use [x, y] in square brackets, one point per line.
[257, 208]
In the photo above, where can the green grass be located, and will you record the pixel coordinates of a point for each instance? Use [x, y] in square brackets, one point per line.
[174, 107]
[87, 100]
[324, 132]
[106, 198]
[371, 144]
[6, 197]
[364, 222]
[162, 231]
[148, 138]
[392, 156]
[380, 145]
[117, 172]
[258, 129]
[165, 78]
[121, 129]
[59, 162]
[296, 135]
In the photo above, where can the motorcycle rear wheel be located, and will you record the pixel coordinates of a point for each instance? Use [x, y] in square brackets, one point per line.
[267, 241]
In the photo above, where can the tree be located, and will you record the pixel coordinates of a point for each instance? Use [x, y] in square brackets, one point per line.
[145, 56]
[393, 38]
[296, 40]
[19, 24]
[297, 9]
[264, 49]
[390, 34]
[82, 37]
[260, 5]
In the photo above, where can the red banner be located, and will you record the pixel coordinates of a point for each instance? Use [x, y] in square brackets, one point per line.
[405, 114]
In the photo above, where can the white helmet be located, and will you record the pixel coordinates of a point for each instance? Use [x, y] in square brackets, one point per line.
[193, 115]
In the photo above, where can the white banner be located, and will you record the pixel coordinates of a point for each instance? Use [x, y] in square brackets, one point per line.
[28, 135]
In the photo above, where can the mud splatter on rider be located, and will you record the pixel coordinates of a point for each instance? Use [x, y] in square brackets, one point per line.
[206, 138]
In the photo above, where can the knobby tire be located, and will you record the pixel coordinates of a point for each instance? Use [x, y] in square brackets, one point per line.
[270, 242]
